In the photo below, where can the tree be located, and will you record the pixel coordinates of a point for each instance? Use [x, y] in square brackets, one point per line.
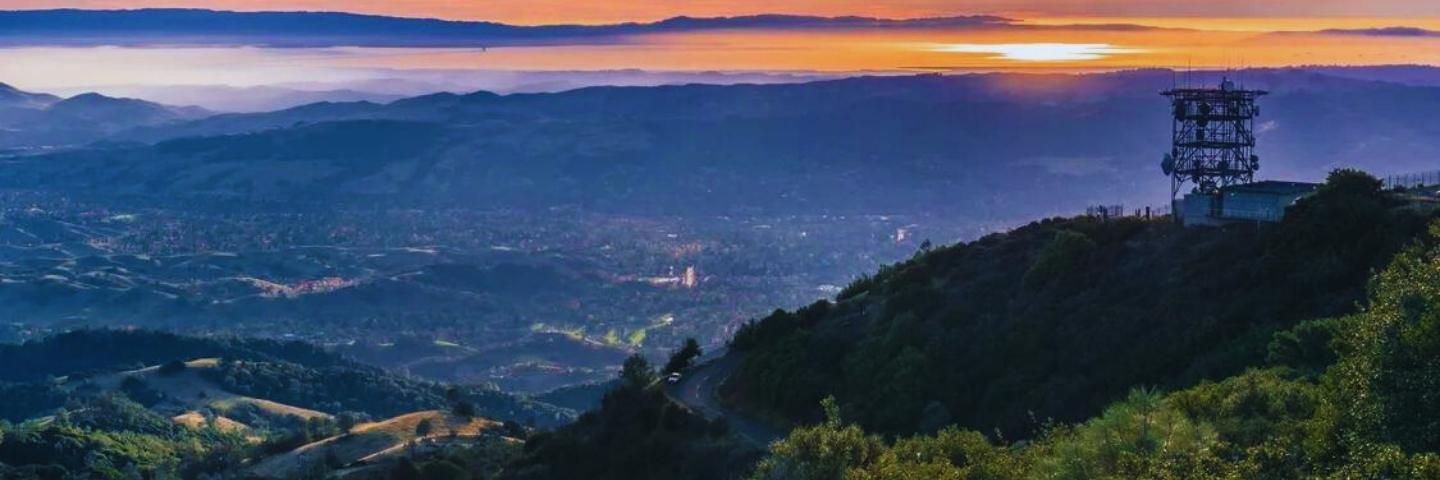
[424, 428]
[637, 372]
[821, 452]
[680, 359]
[348, 420]
[465, 409]
[1139, 437]
[1384, 385]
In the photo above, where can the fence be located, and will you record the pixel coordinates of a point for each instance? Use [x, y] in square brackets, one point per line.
[1105, 212]
[1413, 180]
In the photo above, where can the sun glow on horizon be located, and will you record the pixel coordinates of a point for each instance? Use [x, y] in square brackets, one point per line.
[1040, 52]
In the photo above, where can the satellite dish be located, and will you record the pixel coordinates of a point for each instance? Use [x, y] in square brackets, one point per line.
[1168, 165]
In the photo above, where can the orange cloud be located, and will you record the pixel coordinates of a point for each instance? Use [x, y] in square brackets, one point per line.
[604, 11]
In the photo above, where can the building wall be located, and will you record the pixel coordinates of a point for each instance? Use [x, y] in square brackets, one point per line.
[1197, 209]
[1194, 210]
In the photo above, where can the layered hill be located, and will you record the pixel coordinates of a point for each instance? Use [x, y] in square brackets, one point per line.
[939, 144]
[142, 27]
[35, 120]
[242, 376]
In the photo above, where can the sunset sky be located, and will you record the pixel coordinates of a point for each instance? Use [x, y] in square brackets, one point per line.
[598, 11]
[1049, 35]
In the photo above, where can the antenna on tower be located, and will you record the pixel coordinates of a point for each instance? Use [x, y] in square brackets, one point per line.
[1212, 138]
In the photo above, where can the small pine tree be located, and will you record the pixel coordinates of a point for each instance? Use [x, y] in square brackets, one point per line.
[637, 372]
[681, 359]
[465, 409]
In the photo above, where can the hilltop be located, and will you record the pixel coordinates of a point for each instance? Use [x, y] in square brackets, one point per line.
[1056, 319]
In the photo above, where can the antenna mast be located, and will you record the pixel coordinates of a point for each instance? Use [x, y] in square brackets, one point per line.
[1212, 138]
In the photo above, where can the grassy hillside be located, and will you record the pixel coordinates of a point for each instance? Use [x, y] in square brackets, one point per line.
[380, 442]
[39, 377]
[1057, 319]
[256, 408]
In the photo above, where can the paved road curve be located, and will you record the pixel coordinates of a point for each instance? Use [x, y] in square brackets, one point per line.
[699, 389]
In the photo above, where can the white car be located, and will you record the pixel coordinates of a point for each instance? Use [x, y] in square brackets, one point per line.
[673, 378]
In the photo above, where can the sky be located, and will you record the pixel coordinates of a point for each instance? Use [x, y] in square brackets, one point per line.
[1052, 35]
[605, 11]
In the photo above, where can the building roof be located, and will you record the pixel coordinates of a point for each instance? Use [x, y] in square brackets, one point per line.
[1274, 187]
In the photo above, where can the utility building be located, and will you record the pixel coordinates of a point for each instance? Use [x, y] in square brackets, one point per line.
[1213, 151]
[1258, 202]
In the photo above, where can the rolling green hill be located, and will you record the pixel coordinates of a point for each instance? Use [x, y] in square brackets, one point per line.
[39, 377]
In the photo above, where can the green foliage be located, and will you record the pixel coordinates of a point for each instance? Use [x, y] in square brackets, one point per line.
[1387, 380]
[1140, 437]
[97, 351]
[1307, 347]
[111, 437]
[637, 433]
[1061, 257]
[637, 372]
[950, 454]
[822, 452]
[1352, 183]
[1055, 320]
[1370, 414]
[367, 390]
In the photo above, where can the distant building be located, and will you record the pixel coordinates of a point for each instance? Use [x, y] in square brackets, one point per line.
[691, 279]
[1264, 201]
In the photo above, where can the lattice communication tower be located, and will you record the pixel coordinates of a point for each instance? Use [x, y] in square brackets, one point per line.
[1213, 139]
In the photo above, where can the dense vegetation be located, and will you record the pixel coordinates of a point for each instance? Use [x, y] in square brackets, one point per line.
[112, 437]
[1057, 319]
[287, 372]
[1367, 411]
[637, 433]
[369, 390]
[85, 352]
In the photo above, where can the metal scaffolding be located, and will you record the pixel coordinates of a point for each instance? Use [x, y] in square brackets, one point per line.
[1213, 139]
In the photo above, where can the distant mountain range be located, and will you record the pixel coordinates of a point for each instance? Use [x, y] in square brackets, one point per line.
[1002, 146]
[34, 120]
[11, 97]
[317, 29]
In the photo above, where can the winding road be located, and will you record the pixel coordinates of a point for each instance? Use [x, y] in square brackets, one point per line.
[699, 389]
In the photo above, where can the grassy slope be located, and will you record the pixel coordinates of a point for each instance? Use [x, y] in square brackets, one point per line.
[189, 390]
[377, 442]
